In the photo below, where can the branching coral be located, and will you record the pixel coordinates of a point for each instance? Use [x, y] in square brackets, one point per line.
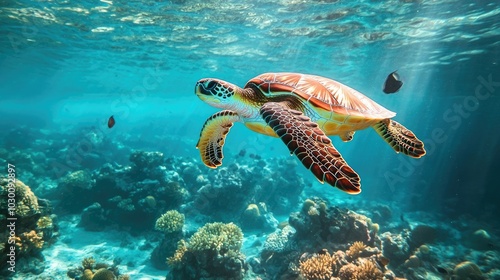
[88, 263]
[176, 259]
[217, 236]
[30, 240]
[348, 272]
[171, 221]
[319, 267]
[355, 249]
[44, 222]
[367, 270]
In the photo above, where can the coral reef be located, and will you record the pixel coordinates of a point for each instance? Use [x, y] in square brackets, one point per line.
[93, 218]
[217, 237]
[213, 252]
[147, 165]
[422, 234]
[396, 247]
[32, 229]
[170, 224]
[90, 270]
[341, 266]
[256, 217]
[319, 228]
[126, 196]
[226, 193]
[478, 240]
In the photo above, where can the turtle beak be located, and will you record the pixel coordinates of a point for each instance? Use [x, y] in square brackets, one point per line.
[204, 94]
[199, 89]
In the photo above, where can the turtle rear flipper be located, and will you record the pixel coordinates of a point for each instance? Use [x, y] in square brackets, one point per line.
[212, 137]
[314, 149]
[400, 138]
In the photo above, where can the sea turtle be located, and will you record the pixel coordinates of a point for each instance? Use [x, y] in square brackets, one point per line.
[300, 109]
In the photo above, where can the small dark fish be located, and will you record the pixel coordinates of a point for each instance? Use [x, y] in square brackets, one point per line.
[322, 252]
[111, 122]
[383, 261]
[441, 270]
[242, 153]
[393, 83]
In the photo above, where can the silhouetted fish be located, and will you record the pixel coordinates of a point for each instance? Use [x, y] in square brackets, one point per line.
[242, 153]
[441, 270]
[393, 83]
[111, 122]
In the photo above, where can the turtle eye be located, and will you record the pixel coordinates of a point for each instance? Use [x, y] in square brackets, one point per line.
[210, 85]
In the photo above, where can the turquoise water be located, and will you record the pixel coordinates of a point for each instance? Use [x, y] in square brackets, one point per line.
[66, 66]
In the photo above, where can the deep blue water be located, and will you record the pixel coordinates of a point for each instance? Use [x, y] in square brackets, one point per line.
[67, 66]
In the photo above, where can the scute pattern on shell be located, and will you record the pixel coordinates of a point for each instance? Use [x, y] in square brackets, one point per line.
[328, 94]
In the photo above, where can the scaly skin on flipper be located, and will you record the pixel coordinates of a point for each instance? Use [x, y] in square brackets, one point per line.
[213, 135]
[400, 138]
[314, 149]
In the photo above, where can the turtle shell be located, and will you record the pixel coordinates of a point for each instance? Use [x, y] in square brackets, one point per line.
[321, 93]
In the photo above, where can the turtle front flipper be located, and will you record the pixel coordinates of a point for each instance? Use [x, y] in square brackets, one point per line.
[314, 149]
[213, 135]
[400, 138]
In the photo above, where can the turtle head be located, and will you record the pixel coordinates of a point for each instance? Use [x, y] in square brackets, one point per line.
[216, 92]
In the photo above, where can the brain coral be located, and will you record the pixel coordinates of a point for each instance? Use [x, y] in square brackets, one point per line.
[280, 241]
[26, 201]
[467, 270]
[217, 236]
[171, 221]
